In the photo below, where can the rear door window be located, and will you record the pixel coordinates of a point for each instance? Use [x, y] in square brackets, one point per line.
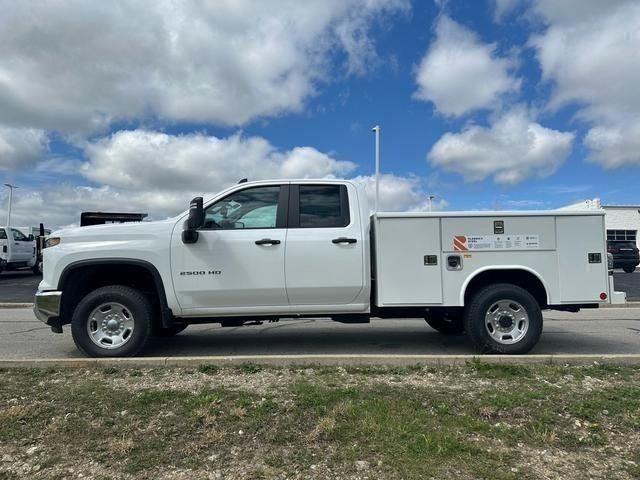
[323, 206]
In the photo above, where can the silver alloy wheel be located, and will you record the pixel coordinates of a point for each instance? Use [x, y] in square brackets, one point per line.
[110, 325]
[507, 322]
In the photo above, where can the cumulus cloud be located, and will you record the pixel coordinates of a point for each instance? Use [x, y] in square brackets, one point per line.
[504, 8]
[157, 173]
[76, 66]
[21, 147]
[459, 73]
[513, 148]
[144, 160]
[398, 193]
[589, 52]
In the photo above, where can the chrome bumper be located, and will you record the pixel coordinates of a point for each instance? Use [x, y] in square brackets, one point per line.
[46, 306]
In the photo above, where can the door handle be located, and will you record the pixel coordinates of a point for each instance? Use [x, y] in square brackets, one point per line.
[267, 241]
[344, 240]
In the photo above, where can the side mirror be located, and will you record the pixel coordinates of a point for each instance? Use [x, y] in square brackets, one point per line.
[31, 237]
[195, 221]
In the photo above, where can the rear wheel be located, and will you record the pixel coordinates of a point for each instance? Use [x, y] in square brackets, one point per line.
[503, 318]
[629, 269]
[113, 321]
[445, 322]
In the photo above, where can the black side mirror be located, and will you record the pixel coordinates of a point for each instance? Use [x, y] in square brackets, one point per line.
[195, 221]
[31, 237]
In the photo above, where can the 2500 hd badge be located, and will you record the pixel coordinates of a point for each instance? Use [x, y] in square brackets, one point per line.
[202, 272]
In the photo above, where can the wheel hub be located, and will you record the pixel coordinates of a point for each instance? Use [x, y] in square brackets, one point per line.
[507, 322]
[110, 325]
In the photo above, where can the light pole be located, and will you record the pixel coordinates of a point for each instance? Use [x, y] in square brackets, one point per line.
[11, 187]
[376, 130]
[431, 197]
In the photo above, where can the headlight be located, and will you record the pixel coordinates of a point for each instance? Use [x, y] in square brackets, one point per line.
[51, 242]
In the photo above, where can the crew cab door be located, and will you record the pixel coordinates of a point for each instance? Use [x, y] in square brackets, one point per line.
[4, 245]
[324, 260]
[237, 264]
[21, 247]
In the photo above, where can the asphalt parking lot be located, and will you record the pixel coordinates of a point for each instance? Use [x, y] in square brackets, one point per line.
[604, 331]
[19, 287]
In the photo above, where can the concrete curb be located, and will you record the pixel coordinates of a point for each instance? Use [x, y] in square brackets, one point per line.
[624, 305]
[329, 360]
[16, 305]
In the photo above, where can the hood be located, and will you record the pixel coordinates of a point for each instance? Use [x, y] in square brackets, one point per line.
[116, 231]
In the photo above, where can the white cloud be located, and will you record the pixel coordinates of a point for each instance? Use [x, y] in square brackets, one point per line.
[21, 147]
[157, 173]
[459, 73]
[614, 144]
[398, 193]
[504, 8]
[513, 148]
[147, 160]
[590, 52]
[76, 66]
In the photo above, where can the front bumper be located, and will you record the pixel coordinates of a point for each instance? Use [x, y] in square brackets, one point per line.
[46, 307]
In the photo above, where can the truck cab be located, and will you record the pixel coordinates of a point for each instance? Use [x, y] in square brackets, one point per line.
[278, 249]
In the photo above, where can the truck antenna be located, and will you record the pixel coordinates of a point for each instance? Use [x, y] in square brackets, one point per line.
[376, 130]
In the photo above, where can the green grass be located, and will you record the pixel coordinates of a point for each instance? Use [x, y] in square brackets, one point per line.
[476, 421]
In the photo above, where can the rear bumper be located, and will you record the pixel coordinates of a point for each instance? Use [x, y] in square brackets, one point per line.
[616, 298]
[625, 262]
[46, 307]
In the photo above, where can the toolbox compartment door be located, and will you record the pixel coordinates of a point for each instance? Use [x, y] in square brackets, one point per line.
[578, 236]
[408, 261]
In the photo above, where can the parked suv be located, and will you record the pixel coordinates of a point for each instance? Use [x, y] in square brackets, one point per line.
[625, 255]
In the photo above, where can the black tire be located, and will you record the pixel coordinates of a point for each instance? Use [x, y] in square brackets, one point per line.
[136, 304]
[171, 331]
[478, 307]
[629, 269]
[445, 322]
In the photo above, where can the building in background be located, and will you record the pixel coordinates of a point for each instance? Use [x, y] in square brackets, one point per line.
[621, 221]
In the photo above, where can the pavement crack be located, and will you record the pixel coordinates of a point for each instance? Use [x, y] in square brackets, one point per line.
[23, 331]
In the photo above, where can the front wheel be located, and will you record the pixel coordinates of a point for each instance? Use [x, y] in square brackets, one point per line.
[503, 318]
[629, 269]
[112, 321]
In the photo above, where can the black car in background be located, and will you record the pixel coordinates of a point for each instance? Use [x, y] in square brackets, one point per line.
[625, 255]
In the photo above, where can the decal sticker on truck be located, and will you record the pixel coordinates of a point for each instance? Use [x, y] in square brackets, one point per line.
[462, 243]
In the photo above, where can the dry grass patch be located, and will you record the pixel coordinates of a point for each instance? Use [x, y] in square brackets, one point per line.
[477, 421]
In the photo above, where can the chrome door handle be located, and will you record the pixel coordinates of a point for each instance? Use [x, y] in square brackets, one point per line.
[344, 240]
[267, 241]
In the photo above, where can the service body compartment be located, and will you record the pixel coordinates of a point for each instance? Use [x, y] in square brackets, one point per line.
[565, 250]
[404, 274]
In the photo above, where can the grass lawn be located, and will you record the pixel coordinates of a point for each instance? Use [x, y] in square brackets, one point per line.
[252, 422]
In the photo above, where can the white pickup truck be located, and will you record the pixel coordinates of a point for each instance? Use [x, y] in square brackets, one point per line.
[281, 249]
[17, 250]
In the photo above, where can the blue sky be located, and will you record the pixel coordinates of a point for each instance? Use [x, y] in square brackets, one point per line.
[496, 104]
